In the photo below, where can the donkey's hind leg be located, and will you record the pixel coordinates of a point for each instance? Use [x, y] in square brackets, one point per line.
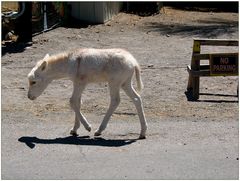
[129, 90]
[115, 100]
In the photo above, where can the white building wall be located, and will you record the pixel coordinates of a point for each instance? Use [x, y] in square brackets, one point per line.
[95, 12]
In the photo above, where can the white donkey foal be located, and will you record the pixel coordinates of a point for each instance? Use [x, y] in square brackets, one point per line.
[83, 66]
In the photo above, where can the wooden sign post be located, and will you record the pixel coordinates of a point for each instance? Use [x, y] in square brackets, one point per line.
[220, 64]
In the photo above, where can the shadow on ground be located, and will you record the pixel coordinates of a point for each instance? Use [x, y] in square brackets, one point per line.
[205, 28]
[190, 97]
[15, 48]
[74, 140]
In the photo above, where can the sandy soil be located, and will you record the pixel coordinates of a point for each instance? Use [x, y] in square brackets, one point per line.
[162, 44]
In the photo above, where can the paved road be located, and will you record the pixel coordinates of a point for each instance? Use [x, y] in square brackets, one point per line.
[173, 150]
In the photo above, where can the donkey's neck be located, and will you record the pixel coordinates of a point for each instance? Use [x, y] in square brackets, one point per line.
[59, 66]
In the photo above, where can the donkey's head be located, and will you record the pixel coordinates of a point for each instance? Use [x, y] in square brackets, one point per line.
[38, 79]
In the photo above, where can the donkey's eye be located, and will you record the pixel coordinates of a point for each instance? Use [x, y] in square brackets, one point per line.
[33, 82]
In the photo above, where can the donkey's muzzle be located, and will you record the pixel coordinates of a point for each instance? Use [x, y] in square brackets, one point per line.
[31, 97]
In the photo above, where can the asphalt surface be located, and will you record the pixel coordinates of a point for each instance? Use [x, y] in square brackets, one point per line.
[43, 150]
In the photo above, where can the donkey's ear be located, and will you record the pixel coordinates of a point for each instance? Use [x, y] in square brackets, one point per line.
[43, 66]
[46, 56]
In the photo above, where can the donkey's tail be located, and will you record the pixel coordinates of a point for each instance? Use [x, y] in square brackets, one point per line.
[138, 78]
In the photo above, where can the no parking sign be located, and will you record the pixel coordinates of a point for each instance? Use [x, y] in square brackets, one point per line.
[224, 64]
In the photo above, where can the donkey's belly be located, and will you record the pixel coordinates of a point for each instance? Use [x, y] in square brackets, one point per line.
[93, 77]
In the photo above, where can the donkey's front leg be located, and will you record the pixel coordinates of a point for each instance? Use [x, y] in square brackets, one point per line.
[75, 102]
[77, 122]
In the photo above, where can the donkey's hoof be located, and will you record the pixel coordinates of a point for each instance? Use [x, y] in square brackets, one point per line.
[97, 133]
[88, 128]
[142, 137]
[73, 133]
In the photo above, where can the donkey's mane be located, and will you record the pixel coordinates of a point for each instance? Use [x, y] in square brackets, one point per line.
[57, 58]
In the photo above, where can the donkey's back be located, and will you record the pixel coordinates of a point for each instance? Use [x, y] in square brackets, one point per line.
[104, 64]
